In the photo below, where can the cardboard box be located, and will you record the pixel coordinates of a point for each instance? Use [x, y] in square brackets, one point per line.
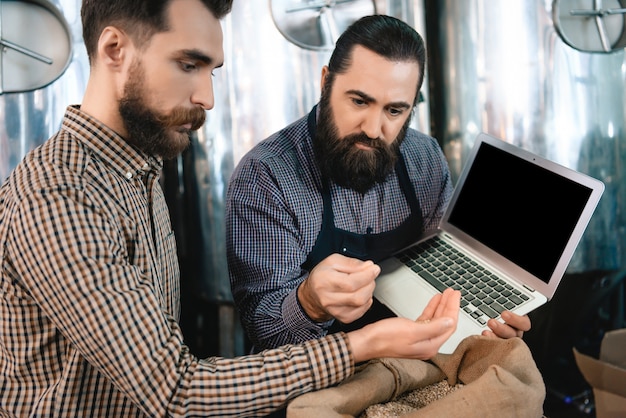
[607, 375]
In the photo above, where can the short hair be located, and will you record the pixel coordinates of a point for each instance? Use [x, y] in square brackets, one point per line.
[385, 35]
[140, 19]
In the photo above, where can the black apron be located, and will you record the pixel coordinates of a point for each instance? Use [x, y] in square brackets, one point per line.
[375, 247]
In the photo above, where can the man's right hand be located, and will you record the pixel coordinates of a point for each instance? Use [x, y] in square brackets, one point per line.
[338, 287]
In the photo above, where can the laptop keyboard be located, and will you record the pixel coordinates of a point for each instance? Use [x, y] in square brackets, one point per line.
[483, 294]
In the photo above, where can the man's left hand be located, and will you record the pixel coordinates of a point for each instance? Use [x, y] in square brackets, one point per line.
[514, 326]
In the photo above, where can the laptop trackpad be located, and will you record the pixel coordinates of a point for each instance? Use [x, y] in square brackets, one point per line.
[405, 296]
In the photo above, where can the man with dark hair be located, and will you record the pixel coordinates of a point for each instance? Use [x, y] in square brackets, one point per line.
[310, 207]
[89, 276]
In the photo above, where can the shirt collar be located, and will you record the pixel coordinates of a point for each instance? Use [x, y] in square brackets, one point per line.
[108, 145]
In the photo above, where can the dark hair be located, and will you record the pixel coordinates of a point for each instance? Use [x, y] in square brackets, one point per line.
[386, 36]
[139, 18]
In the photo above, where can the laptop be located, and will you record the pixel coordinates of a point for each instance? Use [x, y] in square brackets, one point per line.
[514, 220]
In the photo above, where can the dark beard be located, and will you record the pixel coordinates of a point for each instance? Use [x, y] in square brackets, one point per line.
[149, 131]
[341, 161]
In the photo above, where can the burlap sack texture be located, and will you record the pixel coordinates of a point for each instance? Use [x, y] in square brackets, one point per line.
[499, 379]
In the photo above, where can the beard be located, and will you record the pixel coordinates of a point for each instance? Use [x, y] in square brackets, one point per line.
[148, 130]
[349, 166]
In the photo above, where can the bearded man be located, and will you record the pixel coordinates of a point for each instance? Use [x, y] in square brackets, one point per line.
[313, 207]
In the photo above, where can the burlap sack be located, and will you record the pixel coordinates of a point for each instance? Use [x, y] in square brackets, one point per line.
[499, 377]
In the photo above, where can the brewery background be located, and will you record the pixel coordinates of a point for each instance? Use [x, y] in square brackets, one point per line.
[525, 71]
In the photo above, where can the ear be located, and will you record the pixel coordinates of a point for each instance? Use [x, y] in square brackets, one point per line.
[114, 47]
[325, 71]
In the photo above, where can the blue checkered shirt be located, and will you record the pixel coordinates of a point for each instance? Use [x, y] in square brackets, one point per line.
[274, 214]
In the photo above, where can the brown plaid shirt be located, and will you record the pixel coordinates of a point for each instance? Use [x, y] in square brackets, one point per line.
[89, 297]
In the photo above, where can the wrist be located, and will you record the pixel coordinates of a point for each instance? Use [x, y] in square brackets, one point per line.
[308, 305]
[362, 345]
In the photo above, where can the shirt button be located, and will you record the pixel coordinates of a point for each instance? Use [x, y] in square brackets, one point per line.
[145, 167]
[129, 175]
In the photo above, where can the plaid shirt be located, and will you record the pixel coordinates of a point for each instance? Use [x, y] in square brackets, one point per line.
[274, 215]
[89, 297]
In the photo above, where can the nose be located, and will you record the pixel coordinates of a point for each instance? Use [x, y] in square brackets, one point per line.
[372, 124]
[203, 94]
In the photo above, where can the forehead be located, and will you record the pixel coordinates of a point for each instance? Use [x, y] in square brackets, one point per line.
[386, 81]
[191, 27]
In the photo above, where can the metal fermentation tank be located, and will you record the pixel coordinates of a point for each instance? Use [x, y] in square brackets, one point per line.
[506, 69]
[549, 76]
[32, 112]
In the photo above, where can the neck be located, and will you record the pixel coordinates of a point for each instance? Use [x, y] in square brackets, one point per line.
[101, 103]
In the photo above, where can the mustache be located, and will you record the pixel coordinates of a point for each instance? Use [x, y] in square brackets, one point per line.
[361, 138]
[194, 116]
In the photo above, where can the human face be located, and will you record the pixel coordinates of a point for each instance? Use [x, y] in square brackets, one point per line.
[147, 129]
[374, 96]
[375, 114]
[343, 160]
[169, 85]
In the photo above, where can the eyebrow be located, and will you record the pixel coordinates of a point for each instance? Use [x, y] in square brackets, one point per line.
[197, 55]
[369, 99]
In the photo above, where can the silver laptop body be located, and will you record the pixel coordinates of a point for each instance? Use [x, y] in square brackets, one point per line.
[517, 217]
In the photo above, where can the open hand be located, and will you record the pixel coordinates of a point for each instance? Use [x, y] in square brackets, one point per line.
[402, 337]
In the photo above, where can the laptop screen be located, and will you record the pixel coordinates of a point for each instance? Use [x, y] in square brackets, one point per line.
[519, 209]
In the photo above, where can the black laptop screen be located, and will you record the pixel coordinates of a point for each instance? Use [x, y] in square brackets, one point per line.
[522, 211]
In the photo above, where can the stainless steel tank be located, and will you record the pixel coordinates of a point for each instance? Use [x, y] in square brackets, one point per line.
[34, 92]
[539, 75]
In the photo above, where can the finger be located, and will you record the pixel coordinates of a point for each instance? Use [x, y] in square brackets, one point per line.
[452, 304]
[431, 307]
[329, 277]
[521, 323]
[344, 264]
[432, 329]
[362, 279]
[348, 315]
[350, 295]
[450, 300]
[503, 330]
